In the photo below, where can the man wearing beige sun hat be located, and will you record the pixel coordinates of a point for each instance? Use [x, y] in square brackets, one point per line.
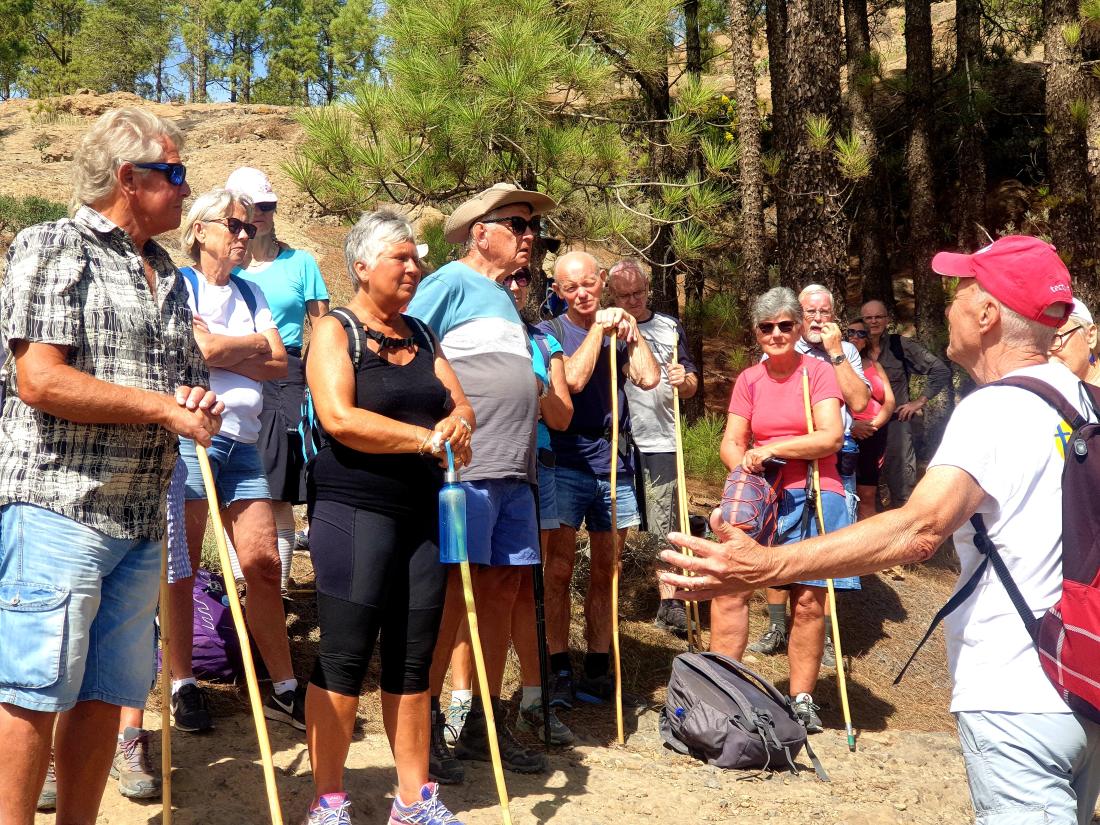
[468, 307]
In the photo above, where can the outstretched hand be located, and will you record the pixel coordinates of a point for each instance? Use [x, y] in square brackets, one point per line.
[732, 566]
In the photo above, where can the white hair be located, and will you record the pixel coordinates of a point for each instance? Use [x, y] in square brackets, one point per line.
[213, 205]
[775, 302]
[119, 135]
[814, 289]
[627, 266]
[1020, 332]
[372, 235]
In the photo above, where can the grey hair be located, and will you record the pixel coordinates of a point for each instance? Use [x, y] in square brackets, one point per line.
[1020, 332]
[212, 205]
[814, 289]
[371, 235]
[119, 135]
[627, 265]
[775, 302]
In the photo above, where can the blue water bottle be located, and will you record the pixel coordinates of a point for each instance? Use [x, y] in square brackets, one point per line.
[452, 515]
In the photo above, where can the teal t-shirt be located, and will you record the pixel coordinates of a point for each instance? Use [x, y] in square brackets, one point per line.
[288, 283]
[542, 370]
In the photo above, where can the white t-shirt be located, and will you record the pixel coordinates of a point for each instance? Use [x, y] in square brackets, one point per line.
[1013, 444]
[225, 313]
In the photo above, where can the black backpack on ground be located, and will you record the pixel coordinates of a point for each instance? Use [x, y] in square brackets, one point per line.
[729, 716]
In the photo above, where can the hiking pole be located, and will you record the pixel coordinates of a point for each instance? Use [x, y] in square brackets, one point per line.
[242, 635]
[165, 693]
[841, 682]
[452, 539]
[615, 534]
[538, 585]
[694, 627]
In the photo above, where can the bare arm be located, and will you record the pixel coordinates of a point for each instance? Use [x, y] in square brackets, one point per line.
[557, 406]
[688, 385]
[735, 440]
[941, 503]
[853, 386]
[641, 368]
[316, 310]
[265, 366]
[826, 439]
[49, 384]
[888, 401]
[227, 351]
[579, 365]
[451, 428]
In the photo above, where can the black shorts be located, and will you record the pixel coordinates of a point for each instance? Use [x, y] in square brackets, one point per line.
[376, 574]
[871, 452]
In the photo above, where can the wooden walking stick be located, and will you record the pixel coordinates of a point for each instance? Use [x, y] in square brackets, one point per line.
[615, 535]
[694, 626]
[165, 692]
[841, 682]
[242, 635]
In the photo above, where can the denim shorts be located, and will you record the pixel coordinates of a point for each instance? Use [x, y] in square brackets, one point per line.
[834, 507]
[500, 523]
[1030, 768]
[548, 498]
[76, 612]
[237, 468]
[585, 497]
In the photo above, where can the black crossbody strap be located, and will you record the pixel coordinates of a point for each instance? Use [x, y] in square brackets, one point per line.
[986, 547]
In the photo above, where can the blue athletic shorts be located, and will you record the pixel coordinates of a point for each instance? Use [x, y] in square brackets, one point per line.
[238, 471]
[548, 498]
[585, 497]
[76, 612]
[500, 523]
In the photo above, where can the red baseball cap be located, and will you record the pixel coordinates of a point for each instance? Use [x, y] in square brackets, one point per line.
[1022, 272]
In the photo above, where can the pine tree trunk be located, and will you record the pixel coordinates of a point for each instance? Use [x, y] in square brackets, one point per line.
[753, 254]
[203, 60]
[1067, 154]
[969, 69]
[812, 227]
[927, 287]
[870, 238]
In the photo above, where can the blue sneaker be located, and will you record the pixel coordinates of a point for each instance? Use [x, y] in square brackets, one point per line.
[427, 811]
[332, 809]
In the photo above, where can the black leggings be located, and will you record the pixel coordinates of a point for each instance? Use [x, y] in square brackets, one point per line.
[375, 573]
[871, 452]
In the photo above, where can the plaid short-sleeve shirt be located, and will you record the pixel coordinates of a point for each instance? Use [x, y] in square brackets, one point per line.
[80, 283]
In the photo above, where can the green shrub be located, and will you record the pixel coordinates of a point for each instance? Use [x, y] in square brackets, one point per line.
[19, 213]
[701, 442]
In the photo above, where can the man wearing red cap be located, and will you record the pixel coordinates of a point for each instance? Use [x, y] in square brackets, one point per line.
[1029, 758]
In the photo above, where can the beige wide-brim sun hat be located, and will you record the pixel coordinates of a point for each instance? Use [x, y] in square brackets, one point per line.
[458, 224]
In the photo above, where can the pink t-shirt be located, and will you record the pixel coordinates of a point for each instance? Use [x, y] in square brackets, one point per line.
[776, 410]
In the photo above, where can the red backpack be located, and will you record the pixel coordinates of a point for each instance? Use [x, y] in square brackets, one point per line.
[1067, 635]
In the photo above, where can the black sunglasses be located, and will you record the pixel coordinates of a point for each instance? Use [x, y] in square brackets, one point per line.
[266, 207]
[518, 224]
[520, 279]
[175, 172]
[857, 333]
[235, 225]
[767, 327]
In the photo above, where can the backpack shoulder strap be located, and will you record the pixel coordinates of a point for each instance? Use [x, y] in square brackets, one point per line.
[420, 328]
[245, 288]
[898, 351]
[192, 278]
[1045, 391]
[357, 339]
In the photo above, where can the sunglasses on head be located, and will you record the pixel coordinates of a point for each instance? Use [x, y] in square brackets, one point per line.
[175, 172]
[518, 224]
[266, 207]
[520, 279]
[767, 327]
[235, 225]
[857, 333]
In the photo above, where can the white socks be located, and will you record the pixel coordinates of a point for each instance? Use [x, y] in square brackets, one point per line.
[460, 696]
[178, 683]
[284, 686]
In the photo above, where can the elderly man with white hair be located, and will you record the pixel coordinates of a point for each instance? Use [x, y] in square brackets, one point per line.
[106, 377]
[1075, 344]
[1029, 757]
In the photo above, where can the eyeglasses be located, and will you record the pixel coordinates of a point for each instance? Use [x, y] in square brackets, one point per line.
[1062, 338]
[817, 313]
[518, 224]
[768, 327]
[867, 319]
[266, 207]
[857, 333]
[520, 279]
[235, 225]
[175, 172]
[631, 297]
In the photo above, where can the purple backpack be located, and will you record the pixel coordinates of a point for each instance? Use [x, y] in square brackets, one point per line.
[216, 651]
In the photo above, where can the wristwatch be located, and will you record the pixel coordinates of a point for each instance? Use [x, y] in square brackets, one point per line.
[838, 359]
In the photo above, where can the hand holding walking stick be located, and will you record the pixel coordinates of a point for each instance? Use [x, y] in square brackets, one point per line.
[816, 478]
[615, 536]
[242, 635]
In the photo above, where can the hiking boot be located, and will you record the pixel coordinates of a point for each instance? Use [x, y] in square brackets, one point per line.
[473, 744]
[561, 690]
[442, 765]
[288, 706]
[530, 721]
[805, 709]
[672, 616]
[133, 766]
[828, 656]
[189, 710]
[428, 810]
[456, 718]
[47, 797]
[332, 809]
[602, 689]
[773, 641]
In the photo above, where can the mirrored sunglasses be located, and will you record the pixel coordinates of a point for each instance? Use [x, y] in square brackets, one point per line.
[175, 172]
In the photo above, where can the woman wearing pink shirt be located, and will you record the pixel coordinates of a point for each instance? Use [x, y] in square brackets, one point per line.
[767, 420]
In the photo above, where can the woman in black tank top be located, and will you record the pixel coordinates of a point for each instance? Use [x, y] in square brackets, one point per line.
[387, 400]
